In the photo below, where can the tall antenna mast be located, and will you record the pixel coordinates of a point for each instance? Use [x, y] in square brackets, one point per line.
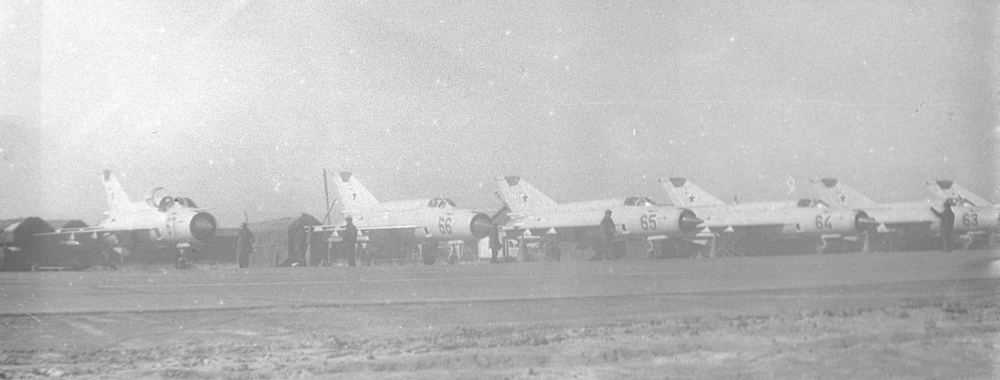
[326, 190]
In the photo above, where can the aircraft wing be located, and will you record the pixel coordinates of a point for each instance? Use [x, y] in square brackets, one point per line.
[365, 231]
[570, 224]
[906, 226]
[913, 218]
[564, 226]
[735, 216]
[89, 230]
[563, 222]
[720, 222]
[328, 228]
[554, 220]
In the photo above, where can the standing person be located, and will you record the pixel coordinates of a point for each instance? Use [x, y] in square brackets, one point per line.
[181, 261]
[108, 254]
[495, 244]
[607, 237]
[947, 217]
[350, 239]
[244, 243]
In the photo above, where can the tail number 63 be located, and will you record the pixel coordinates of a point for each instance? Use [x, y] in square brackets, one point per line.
[648, 222]
[970, 220]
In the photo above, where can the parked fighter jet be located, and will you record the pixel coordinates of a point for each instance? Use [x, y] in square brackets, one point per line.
[730, 223]
[636, 217]
[946, 189]
[906, 220]
[425, 220]
[976, 217]
[162, 221]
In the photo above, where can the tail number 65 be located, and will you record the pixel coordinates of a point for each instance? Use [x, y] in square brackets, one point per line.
[648, 222]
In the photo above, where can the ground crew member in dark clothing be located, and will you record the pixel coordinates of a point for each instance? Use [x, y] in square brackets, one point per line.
[350, 236]
[607, 237]
[495, 244]
[182, 261]
[244, 243]
[947, 224]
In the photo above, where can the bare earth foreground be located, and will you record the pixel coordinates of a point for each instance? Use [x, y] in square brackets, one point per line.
[899, 315]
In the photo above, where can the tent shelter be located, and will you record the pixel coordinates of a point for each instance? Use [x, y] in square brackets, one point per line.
[20, 247]
[56, 253]
[282, 242]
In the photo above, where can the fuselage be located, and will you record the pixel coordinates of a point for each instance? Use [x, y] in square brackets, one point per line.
[174, 225]
[429, 224]
[795, 221]
[433, 219]
[631, 222]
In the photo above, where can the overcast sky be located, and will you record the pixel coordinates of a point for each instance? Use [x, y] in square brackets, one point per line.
[240, 105]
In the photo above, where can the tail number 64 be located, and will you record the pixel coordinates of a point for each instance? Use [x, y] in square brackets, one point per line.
[822, 222]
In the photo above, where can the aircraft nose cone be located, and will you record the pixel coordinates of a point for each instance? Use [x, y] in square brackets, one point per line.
[689, 221]
[203, 226]
[481, 226]
[865, 223]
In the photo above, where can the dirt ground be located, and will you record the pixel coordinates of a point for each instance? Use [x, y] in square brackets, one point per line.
[765, 335]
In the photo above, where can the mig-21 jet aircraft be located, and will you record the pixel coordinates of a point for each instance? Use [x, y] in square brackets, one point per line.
[729, 223]
[425, 222]
[900, 223]
[636, 217]
[163, 221]
[975, 216]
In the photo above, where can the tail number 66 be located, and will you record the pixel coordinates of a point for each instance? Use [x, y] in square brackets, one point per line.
[444, 225]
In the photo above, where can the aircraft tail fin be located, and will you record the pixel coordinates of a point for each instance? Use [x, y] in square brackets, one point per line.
[520, 196]
[117, 198]
[354, 196]
[835, 193]
[684, 193]
[946, 189]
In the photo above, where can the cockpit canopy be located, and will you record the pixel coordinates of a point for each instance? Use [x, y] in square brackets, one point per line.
[167, 202]
[639, 201]
[961, 201]
[164, 203]
[812, 203]
[440, 202]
